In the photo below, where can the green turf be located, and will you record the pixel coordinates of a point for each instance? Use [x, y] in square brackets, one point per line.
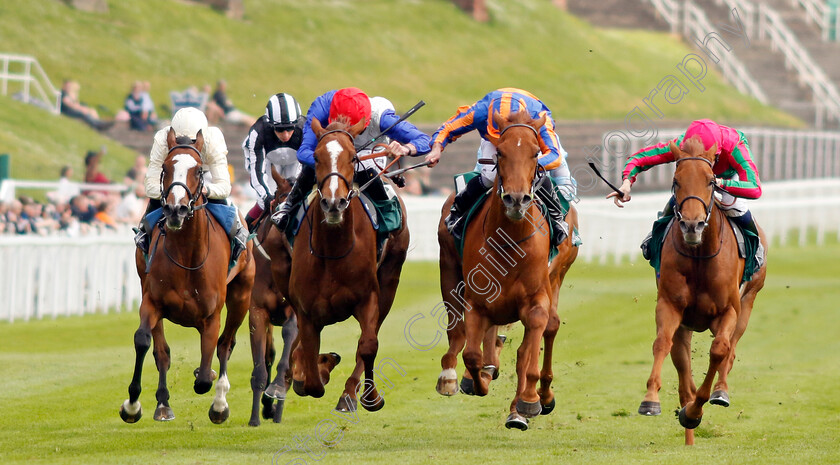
[62, 382]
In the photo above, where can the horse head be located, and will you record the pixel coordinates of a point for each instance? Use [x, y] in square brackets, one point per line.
[517, 151]
[694, 188]
[181, 178]
[335, 160]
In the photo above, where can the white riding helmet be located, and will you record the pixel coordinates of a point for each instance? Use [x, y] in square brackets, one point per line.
[378, 105]
[188, 121]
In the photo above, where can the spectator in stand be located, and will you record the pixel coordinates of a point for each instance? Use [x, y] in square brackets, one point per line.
[136, 175]
[138, 110]
[92, 173]
[220, 104]
[15, 224]
[72, 107]
[66, 188]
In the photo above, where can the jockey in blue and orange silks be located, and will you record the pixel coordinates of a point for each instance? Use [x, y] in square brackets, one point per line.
[735, 172]
[479, 117]
[404, 139]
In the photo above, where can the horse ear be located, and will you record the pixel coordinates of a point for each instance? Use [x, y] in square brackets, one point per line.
[537, 124]
[170, 138]
[357, 128]
[316, 127]
[711, 154]
[499, 120]
[199, 141]
[675, 150]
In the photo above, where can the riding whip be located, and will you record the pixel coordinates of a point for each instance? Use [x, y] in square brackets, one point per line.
[598, 173]
[402, 118]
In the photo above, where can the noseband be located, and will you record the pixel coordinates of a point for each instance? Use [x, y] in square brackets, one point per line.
[501, 190]
[706, 206]
[193, 196]
[350, 191]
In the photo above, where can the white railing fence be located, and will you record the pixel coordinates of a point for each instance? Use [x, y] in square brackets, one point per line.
[50, 277]
[35, 86]
[695, 25]
[8, 187]
[61, 276]
[824, 15]
[779, 154]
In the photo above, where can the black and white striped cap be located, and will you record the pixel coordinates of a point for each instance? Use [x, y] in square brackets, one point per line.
[283, 110]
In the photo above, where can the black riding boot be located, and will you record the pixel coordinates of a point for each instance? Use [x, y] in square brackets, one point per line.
[376, 189]
[746, 222]
[143, 232]
[559, 227]
[462, 204]
[303, 184]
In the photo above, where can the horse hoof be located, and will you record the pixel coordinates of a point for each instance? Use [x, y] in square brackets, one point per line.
[375, 406]
[254, 422]
[516, 421]
[164, 413]
[297, 386]
[278, 411]
[336, 357]
[129, 417]
[202, 387]
[276, 392]
[346, 404]
[720, 398]
[650, 408]
[548, 408]
[491, 371]
[447, 387]
[467, 386]
[528, 409]
[267, 410]
[213, 374]
[688, 423]
[219, 417]
[502, 338]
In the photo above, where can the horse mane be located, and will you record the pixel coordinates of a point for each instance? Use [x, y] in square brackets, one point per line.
[520, 117]
[341, 122]
[184, 140]
[693, 146]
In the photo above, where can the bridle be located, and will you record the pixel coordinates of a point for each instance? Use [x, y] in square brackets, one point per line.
[351, 192]
[706, 206]
[501, 189]
[193, 196]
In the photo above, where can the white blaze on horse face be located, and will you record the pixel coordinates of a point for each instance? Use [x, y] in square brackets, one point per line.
[183, 164]
[519, 142]
[334, 148]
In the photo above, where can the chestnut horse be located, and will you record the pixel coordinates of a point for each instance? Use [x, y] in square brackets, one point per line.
[508, 278]
[188, 282]
[334, 270]
[698, 288]
[270, 308]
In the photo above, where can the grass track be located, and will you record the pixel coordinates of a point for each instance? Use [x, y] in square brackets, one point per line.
[62, 381]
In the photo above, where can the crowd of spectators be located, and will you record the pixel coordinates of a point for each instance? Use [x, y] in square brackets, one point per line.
[72, 211]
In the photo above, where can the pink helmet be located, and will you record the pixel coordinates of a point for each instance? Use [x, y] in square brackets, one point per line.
[708, 131]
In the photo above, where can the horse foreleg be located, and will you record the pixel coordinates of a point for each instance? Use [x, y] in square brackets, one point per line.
[452, 289]
[681, 356]
[476, 328]
[723, 328]
[367, 350]
[527, 362]
[130, 410]
[667, 321]
[258, 325]
[163, 412]
[547, 374]
[209, 337]
[277, 388]
[309, 342]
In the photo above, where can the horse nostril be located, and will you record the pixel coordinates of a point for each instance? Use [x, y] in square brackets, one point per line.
[507, 200]
[183, 210]
[342, 203]
[325, 205]
[526, 199]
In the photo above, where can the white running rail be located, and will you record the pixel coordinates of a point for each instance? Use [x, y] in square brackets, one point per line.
[35, 84]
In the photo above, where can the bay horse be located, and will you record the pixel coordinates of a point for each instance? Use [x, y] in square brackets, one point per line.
[698, 288]
[504, 277]
[187, 282]
[270, 308]
[334, 270]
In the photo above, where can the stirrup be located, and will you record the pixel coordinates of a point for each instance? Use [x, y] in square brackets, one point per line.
[646, 246]
[141, 240]
[282, 215]
[561, 232]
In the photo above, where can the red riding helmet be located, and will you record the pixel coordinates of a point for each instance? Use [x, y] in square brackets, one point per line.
[352, 103]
